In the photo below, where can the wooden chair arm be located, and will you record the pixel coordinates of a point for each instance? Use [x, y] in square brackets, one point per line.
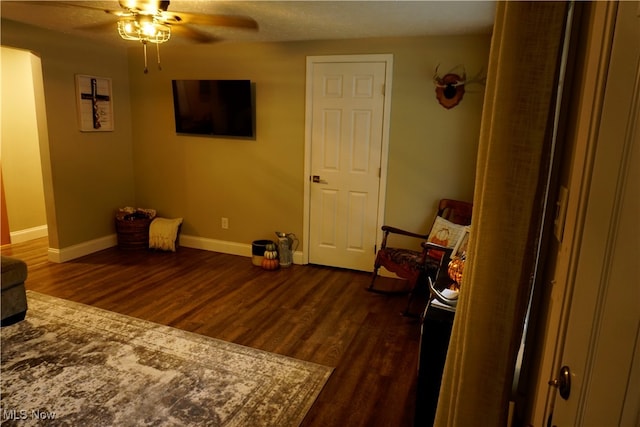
[446, 252]
[387, 229]
[434, 246]
[394, 230]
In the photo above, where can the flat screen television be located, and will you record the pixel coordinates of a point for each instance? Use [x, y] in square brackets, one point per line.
[218, 108]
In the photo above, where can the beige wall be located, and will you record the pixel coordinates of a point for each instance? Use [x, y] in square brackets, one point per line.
[21, 169]
[258, 184]
[91, 172]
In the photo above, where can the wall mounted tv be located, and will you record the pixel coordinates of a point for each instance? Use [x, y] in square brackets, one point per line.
[218, 108]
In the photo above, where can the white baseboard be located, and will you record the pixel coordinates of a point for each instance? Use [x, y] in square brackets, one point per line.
[194, 242]
[225, 247]
[386, 273]
[214, 245]
[82, 249]
[29, 234]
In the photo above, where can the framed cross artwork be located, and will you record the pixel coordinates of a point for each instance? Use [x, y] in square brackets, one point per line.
[95, 106]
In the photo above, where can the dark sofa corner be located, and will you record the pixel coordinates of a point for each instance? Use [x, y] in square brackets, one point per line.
[14, 298]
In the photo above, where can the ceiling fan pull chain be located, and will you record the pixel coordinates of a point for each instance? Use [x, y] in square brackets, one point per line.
[158, 51]
[144, 49]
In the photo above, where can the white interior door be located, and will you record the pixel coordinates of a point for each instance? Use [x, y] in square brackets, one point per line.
[602, 335]
[347, 129]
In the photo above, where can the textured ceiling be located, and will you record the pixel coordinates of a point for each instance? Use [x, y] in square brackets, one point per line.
[278, 20]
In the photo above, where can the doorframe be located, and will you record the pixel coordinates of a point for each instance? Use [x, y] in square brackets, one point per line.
[565, 274]
[49, 229]
[386, 120]
[594, 305]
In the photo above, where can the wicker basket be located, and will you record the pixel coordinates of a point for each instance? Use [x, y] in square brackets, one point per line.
[133, 233]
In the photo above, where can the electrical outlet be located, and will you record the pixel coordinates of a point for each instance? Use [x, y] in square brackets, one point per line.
[225, 223]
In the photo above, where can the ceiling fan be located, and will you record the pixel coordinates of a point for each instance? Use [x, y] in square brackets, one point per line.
[150, 21]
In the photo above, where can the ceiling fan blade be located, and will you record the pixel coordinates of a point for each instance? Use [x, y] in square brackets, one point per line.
[210, 20]
[193, 34]
[71, 4]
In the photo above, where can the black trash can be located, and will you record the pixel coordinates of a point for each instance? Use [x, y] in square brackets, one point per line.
[257, 251]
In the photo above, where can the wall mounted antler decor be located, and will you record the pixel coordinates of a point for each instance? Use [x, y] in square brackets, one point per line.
[450, 87]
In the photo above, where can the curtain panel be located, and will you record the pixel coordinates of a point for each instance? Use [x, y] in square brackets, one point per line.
[513, 156]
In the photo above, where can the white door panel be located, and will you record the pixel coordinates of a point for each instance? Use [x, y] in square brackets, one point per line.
[346, 148]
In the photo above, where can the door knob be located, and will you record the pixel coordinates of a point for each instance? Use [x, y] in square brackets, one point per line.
[563, 382]
[317, 180]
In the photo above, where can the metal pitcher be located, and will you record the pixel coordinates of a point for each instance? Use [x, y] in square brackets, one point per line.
[287, 244]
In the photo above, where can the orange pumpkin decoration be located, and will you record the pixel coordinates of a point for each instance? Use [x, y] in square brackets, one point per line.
[455, 270]
[270, 264]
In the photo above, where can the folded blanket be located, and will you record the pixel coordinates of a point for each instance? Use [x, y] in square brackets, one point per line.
[163, 233]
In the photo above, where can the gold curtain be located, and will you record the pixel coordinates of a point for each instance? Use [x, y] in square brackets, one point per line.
[514, 148]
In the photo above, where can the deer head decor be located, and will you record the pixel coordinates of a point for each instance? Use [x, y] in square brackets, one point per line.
[450, 87]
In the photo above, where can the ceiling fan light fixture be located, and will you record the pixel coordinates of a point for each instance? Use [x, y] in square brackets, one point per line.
[143, 29]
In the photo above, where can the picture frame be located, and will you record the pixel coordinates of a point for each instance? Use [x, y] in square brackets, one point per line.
[460, 249]
[94, 103]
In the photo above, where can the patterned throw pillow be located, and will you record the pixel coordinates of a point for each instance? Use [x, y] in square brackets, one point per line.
[444, 233]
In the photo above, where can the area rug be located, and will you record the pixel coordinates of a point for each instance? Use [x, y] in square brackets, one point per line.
[80, 365]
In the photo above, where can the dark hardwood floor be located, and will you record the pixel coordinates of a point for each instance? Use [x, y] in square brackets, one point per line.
[318, 314]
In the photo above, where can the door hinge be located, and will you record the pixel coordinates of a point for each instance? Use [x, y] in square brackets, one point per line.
[375, 249]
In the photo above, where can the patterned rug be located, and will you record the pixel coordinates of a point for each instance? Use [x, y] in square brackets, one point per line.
[81, 365]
